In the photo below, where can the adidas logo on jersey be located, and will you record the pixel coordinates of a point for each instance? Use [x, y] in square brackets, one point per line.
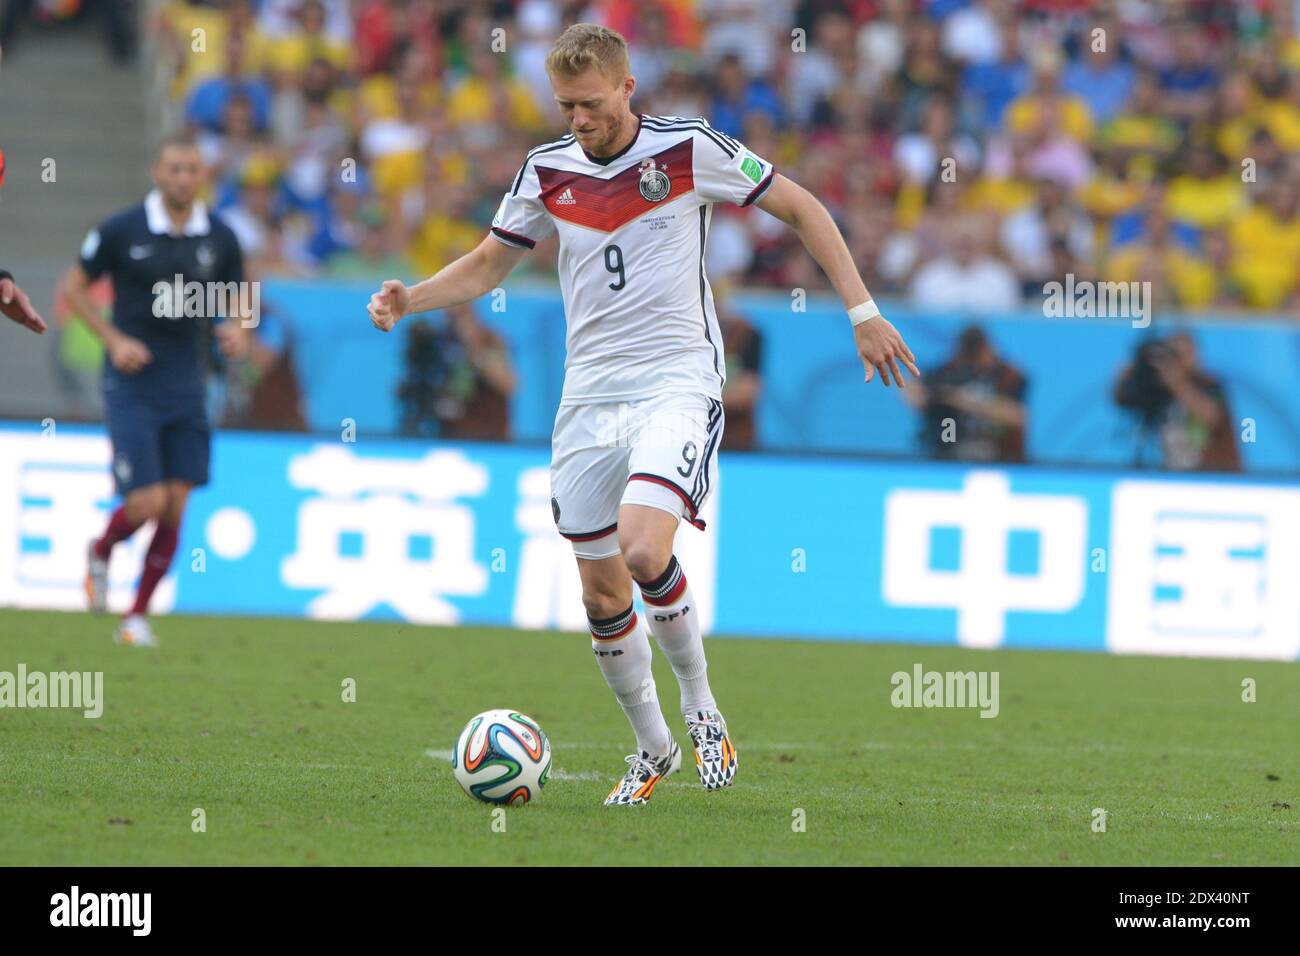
[566, 199]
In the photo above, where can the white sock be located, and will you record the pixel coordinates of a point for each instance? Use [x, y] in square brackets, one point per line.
[675, 622]
[623, 652]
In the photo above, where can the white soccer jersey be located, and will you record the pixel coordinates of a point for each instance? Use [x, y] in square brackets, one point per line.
[633, 228]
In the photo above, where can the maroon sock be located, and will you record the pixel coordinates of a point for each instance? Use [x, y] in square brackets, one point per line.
[156, 562]
[119, 529]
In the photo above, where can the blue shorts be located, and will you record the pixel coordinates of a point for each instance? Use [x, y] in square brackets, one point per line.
[157, 436]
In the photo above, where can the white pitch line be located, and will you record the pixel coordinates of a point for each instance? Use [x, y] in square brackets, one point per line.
[585, 774]
[593, 775]
[555, 774]
[582, 775]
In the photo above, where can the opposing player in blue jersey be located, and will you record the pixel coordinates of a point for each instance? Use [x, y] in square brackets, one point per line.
[156, 363]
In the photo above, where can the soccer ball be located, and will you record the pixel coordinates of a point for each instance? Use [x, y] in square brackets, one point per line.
[502, 757]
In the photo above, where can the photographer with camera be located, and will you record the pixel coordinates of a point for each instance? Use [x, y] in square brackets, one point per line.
[1179, 403]
[458, 379]
[974, 406]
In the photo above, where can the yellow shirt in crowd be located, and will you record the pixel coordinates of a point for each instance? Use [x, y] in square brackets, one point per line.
[203, 34]
[1074, 117]
[294, 54]
[1192, 279]
[471, 102]
[1206, 204]
[1265, 256]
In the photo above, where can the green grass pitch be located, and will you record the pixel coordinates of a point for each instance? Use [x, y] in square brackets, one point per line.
[244, 718]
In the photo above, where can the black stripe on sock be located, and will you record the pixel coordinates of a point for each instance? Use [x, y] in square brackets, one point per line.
[665, 581]
[610, 625]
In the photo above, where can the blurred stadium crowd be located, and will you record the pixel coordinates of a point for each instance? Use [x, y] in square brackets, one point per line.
[971, 150]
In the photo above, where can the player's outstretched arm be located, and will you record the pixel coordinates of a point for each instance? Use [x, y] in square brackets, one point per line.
[128, 355]
[879, 345]
[474, 274]
[15, 304]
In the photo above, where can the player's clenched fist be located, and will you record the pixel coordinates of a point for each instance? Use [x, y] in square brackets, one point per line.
[881, 347]
[389, 304]
[128, 355]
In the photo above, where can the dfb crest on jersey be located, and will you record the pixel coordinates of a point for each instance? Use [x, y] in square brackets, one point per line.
[655, 183]
[555, 509]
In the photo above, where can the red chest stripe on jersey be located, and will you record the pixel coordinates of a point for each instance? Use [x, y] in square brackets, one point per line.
[608, 204]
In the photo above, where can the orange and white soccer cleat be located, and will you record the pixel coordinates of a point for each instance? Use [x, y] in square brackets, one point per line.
[715, 754]
[643, 774]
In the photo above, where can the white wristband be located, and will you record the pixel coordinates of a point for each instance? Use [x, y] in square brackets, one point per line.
[863, 312]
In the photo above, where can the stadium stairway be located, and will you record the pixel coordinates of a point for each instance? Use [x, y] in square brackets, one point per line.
[61, 99]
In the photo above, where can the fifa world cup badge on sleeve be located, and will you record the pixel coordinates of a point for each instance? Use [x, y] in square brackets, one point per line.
[655, 183]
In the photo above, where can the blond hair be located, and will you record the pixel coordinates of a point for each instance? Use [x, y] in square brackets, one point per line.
[585, 46]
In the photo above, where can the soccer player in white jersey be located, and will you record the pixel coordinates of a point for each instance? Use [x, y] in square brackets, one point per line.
[635, 444]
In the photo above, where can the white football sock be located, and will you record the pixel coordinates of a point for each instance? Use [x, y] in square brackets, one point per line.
[674, 620]
[623, 652]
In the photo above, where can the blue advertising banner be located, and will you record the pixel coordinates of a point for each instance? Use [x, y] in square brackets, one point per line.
[830, 549]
